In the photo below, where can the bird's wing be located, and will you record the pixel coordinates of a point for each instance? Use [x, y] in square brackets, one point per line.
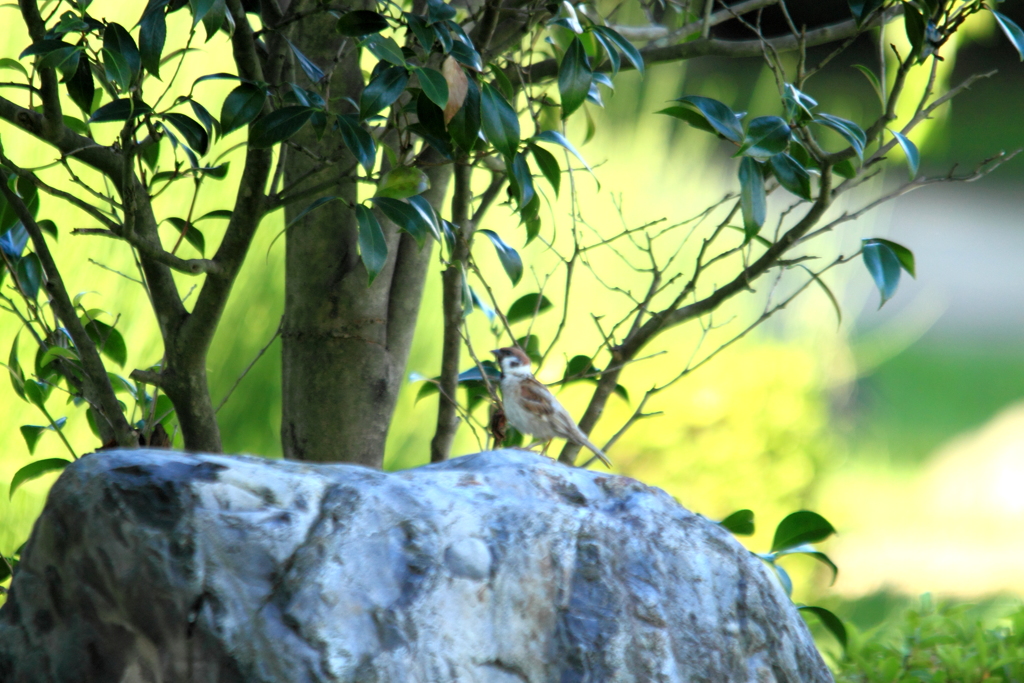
[535, 398]
[567, 428]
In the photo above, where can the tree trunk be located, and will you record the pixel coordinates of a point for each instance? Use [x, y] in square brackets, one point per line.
[345, 345]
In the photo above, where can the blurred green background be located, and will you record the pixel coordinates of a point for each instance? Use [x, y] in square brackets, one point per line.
[903, 426]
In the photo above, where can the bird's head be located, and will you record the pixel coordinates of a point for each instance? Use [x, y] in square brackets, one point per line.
[512, 361]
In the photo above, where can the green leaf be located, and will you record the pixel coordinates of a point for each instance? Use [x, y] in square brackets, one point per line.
[910, 150]
[862, 9]
[905, 256]
[850, 131]
[210, 124]
[434, 85]
[372, 246]
[49, 227]
[278, 125]
[787, 583]
[241, 107]
[740, 522]
[55, 352]
[427, 211]
[509, 257]
[200, 8]
[418, 25]
[873, 80]
[15, 371]
[36, 393]
[117, 42]
[30, 275]
[525, 306]
[530, 346]
[465, 125]
[753, 201]
[313, 72]
[65, 60]
[164, 411]
[720, 117]
[31, 434]
[120, 110]
[499, 121]
[914, 23]
[358, 141]
[402, 182]
[81, 86]
[195, 135]
[829, 621]
[438, 11]
[502, 82]
[574, 78]
[809, 550]
[8, 63]
[467, 56]
[35, 470]
[219, 76]
[845, 169]
[44, 47]
[1012, 31]
[692, 117]
[799, 528]
[9, 218]
[577, 367]
[612, 51]
[383, 90]
[385, 49]
[884, 265]
[108, 340]
[628, 49]
[555, 138]
[431, 127]
[152, 36]
[548, 166]
[766, 137]
[791, 175]
[192, 234]
[798, 104]
[521, 180]
[406, 217]
[361, 22]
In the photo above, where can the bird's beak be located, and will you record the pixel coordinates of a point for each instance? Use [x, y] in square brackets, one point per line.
[496, 352]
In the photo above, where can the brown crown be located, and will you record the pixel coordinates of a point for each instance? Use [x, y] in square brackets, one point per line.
[514, 351]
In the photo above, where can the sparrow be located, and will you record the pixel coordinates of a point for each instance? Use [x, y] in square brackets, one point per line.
[530, 406]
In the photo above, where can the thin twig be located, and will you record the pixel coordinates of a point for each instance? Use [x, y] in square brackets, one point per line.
[277, 333]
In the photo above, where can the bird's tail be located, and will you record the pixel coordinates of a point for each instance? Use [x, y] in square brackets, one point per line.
[598, 452]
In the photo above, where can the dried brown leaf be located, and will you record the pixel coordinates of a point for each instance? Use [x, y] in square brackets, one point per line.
[457, 86]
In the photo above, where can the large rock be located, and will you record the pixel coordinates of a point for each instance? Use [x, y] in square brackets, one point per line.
[501, 566]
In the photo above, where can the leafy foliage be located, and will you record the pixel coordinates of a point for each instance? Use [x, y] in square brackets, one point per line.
[794, 535]
[936, 643]
[443, 89]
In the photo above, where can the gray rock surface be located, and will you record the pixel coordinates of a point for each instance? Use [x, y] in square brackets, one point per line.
[496, 567]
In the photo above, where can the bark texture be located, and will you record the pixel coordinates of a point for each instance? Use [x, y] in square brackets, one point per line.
[345, 345]
[495, 567]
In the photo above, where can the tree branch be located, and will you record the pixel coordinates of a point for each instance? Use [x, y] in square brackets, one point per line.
[657, 32]
[452, 286]
[96, 385]
[198, 330]
[53, 118]
[713, 47]
[675, 315]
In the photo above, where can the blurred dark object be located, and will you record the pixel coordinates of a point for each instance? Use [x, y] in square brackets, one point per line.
[497, 425]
